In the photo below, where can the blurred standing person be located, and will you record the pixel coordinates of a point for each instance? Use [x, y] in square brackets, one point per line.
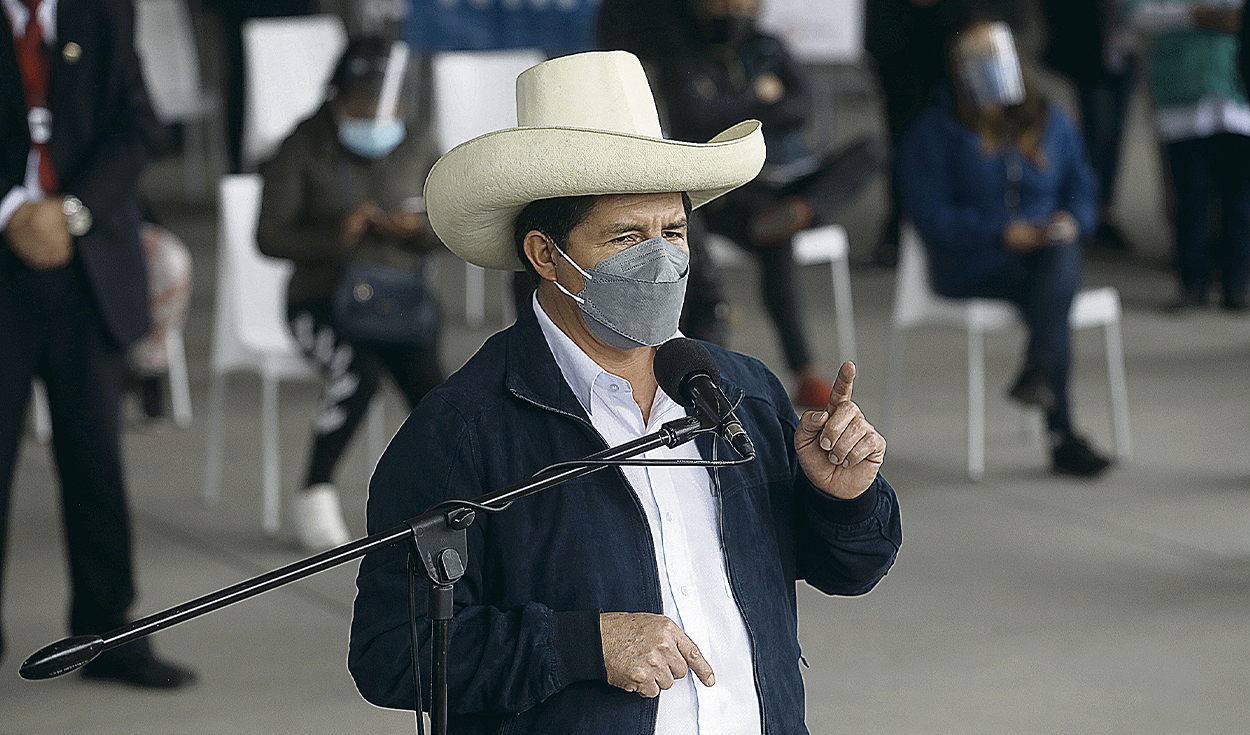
[342, 199]
[1203, 119]
[998, 185]
[731, 71]
[76, 130]
[907, 42]
[1089, 44]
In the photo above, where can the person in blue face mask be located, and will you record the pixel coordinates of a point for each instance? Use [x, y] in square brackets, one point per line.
[344, 190]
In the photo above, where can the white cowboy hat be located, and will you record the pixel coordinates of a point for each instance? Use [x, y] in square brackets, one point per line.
[587, 124]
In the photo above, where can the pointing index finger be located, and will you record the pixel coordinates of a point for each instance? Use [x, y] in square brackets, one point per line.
[842, 384]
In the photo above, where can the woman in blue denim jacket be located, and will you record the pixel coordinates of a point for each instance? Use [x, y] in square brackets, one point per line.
[998, 186]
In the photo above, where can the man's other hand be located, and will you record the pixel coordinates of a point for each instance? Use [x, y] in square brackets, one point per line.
[38, 235]
[645, 653]
[838, 449]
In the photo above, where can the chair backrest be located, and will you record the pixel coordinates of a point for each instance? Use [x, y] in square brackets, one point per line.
[288, 62]
[475, 92]
[250, 319]
[165, 42]
[915, 301]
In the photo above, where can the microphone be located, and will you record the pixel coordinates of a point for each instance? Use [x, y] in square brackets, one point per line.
[686, 371]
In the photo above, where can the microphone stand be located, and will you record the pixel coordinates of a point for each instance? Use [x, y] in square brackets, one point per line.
[438, 539]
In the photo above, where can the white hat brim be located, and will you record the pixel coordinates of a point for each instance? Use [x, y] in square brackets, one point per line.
[474, 192]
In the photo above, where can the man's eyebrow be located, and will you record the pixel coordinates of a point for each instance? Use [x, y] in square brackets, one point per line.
[621, 228]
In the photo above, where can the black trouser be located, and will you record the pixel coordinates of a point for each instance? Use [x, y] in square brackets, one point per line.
[730, 216]
[50, 327]
[352, 371]
[1212, 175]
[1043, 285]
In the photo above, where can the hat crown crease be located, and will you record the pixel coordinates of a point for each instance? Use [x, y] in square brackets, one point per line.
[605, 91]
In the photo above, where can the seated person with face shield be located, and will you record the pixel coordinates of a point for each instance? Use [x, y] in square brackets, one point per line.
[342, 199]
[998, 185]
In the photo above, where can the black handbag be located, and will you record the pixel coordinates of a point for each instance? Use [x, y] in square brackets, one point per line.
[378, 303]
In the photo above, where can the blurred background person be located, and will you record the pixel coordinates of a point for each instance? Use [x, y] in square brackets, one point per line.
[1088, 42]
[342, 199]
[232, 14]
[1202, 118]
[996, 181]
[713, 67]
[76, 132]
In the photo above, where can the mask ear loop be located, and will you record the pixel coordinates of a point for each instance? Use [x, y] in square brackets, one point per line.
[585, 275]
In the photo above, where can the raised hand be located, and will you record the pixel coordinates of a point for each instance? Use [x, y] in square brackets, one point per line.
[645, 653]
[837, 448]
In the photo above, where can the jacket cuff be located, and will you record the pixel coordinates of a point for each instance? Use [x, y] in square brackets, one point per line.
[847, 512]
[579, 646]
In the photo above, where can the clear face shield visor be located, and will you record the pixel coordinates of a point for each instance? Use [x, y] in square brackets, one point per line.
[989, 67]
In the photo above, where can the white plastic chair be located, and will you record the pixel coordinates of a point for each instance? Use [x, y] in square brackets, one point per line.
[250, 333]
[165, 42]
[289, 61]
[916, 304]
[475, 94]
[826, 244]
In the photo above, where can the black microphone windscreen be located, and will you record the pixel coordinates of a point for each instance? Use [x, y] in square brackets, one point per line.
[678, 359]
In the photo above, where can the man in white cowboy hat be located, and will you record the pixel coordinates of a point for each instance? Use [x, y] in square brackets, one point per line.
[584, 607]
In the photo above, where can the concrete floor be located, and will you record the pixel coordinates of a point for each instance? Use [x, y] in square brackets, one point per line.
[1022, 604]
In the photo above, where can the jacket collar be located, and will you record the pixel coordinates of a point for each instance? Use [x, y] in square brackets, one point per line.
[531, 372]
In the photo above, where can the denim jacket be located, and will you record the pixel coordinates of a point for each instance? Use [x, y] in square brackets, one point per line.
[526, 654]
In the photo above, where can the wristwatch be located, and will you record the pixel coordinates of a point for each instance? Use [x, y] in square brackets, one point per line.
[77, 216]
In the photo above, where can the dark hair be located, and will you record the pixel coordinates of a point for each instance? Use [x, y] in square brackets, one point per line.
[556, 218]
[360, 69]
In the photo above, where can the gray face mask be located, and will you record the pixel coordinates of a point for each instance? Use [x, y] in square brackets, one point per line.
[633, 298]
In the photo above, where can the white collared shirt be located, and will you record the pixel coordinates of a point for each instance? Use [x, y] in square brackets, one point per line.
[30, 190]
[683, 516]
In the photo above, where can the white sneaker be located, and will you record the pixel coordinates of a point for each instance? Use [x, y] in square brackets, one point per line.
[319, 519]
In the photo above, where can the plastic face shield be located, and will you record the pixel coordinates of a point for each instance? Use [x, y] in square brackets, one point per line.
[990, 68]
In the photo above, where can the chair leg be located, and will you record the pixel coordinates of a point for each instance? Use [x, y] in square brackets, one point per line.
[1118, 390]
[893, 378]
[976, 405]
[846, 313]
[474, 295]
[40, 413]
[179, 388]
[376, 431]
[271, 471]
[213, 455]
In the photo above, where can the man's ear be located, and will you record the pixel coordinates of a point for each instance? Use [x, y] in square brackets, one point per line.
[541, 253]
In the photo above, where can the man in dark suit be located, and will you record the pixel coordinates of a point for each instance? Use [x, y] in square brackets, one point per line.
[75, 131]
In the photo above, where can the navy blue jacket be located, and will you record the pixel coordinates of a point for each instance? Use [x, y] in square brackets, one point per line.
[526, 654]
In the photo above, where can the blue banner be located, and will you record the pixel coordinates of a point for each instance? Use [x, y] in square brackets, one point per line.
[556, 26]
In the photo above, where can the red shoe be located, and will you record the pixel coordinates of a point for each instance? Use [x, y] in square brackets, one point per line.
[813, 393]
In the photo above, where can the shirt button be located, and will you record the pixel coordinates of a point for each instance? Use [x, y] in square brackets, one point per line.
[685, 591]
[668, 516]
[615, 387]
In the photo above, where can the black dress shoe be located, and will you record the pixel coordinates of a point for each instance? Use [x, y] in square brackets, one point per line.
[1236, 303]
[1072, 455]
[142, 669]
[1032, 389]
